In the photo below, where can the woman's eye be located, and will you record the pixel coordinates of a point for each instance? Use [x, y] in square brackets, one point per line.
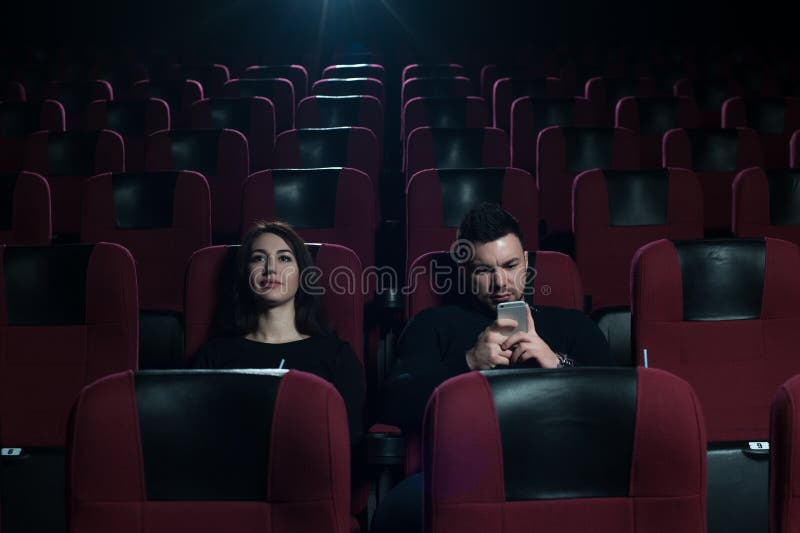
[256, 258]
[285, 259]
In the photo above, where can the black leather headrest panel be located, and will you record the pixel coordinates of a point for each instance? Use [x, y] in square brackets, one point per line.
[710, 95]
[232, 114]
[18, 119]
[326, 147]
[766, 115]
[127, 118]
[72, 154]
[713, 151]
[784, 197]
[458, 148]
[346, 87]
[257, 87]
[637, 197]
[306, 198]
[618, 88]
[565, 433]
[722, 279]
[446, 112]
[46, 286]
[205, 435]
[8, 183]
[588, 148]
[195, 150]
[462, 189]
[144, 201]
[553, 112]
[657, 115]
[337, 111]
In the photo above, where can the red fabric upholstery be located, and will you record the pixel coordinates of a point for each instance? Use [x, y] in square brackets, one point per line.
[604, 252]
[344, 309]
[297, 74]
[604, 93]
[425, 143]
[47, 115]
[259, 128]
[76, 97]
[107, 155]
[156, 119]
[435, 112]
[628, 115]
[278, 90]
[161, 254]
[751, 211]
[556, 281]
[350, 87]
[794, 150]
[784, 438]
[457, 86]
[354, 219]
[361, 151]
[530, 115]
[14, 92]
[491, 73]
[507, 90]
[179, 96]
[308, 435]
[716, 185]
[30, 212]
[425, 227]
[45, 367]
[463, 466]
[735, 366]
[774, 144]
[212, 77]
[339, 111]
[554, 177]
[225, 184]
[710, 96]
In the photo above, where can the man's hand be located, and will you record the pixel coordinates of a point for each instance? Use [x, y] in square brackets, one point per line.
[487, 353]
[525, 345]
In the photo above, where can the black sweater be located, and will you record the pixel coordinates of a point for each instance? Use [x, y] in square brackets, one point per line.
[434, 344]
[326, 356]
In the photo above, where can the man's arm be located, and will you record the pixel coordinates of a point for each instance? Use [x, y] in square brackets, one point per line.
[420, 367]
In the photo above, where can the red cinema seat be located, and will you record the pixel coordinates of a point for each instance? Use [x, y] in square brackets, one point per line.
[437, 200]
[20, 119]
[331, 205]
[67, 160]
[452, 87]
[455, 148]
[69, 318]
[224, 453]
[775, 119]
[342, 111]
[254, 117]
[783, 457]
[651, 118]
[76, 96]
[432, 70]
[24, 209]
[765, 204]
[278, 90]
[710, 95]
[530, 115]
[179, 96]
[444, 112]
[618, 426]
[604, 93]
[221, 156]
[297, 74]
[356, 70]
[507, 90]
[212, 77]
[716, 156]
[134, 120]
[350, 87]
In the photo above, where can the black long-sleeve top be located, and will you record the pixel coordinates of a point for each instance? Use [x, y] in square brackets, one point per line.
[434, 344]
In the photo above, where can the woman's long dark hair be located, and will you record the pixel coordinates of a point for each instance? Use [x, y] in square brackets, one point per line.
[308, 317]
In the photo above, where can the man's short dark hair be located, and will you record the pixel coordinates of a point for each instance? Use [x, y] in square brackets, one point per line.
[487, 222]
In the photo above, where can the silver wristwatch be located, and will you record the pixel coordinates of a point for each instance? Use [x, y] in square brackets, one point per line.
[564, 361]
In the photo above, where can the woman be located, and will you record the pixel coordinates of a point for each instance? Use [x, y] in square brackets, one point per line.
[279, 324]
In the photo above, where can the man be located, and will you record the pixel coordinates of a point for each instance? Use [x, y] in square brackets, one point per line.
[443, 342]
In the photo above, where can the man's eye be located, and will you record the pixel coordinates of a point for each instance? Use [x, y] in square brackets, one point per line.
[482, 270]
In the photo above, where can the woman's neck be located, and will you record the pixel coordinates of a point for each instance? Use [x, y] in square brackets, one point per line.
[276, 325]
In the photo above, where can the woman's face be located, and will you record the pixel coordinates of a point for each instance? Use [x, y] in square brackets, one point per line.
[273, 270]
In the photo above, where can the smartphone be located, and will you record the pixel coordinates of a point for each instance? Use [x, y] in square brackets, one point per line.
[517, 310]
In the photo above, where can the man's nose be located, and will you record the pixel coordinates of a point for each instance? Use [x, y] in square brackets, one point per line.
[498, 279]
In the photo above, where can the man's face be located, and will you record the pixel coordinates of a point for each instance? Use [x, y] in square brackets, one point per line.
[498, 271]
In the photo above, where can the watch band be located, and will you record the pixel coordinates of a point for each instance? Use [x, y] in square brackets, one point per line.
[564, 361]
